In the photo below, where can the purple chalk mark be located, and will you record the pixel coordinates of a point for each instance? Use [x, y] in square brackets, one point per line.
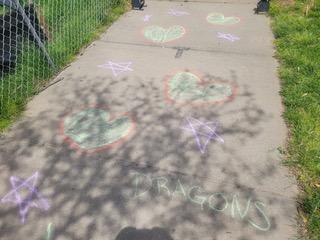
[28, 201]
[228, 36]
[177, 13]
[146, 18]
[196, 127]
[117, 68]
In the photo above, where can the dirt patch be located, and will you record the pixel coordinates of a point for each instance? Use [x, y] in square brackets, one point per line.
[287, 3]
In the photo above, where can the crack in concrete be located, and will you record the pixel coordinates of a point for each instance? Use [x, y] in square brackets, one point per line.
[180, 51]
[185, 48]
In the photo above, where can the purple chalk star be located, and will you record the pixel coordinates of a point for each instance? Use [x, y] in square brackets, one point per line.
[117, 68]
[228, 36]
[33, 200]
[203, 132]
[177, 13]
[146, 18]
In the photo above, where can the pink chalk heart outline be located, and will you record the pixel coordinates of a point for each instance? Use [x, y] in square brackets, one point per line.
[188, 88]
[94, 129]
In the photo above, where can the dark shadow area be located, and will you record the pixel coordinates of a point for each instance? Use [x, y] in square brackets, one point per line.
[131, 233]
[92, 196]
[262, 7]
[13, 30]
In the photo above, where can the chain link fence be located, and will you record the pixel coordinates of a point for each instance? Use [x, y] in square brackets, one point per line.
[38, 38]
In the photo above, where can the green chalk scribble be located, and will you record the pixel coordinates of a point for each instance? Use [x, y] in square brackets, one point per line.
[160, 35]
[184, 86]
[92, 128]
[220, 19]
[49, 232]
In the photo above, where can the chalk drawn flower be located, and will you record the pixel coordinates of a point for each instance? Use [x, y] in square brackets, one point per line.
[159, 34]
[94, 129]
[220, 19]
[186, 87]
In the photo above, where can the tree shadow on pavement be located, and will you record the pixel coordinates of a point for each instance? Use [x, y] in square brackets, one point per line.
[92, 195]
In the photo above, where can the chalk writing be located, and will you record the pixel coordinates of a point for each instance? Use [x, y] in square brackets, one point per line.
[117, 68]
[177, 13]
[220, 19]
[187, 87]
[146, 18]
[228, 36]
[230, 204]
[161, 35]
[93, 129]
[203, 132]
[32, 200]
[49, 232]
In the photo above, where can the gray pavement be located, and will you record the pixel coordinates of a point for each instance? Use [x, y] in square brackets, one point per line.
[178, 144]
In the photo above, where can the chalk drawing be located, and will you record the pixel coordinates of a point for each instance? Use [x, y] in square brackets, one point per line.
[49, 232]
[136, 184]
[159, 34]
[203, 132]
[117, 68]
[146, 18]
[180, 189]
[186, 87]
[220, 19]
[215, 208]
[194, 195]
[93, 129]
[259, 206]
[230, 204]
[177, 13]
[32, 200]
[228, 37]
[162, 185]
[236, 207]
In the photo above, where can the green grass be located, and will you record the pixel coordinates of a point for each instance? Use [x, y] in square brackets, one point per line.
[73, 25]
[298, 50]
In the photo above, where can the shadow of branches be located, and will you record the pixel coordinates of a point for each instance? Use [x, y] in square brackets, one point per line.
[92, 196]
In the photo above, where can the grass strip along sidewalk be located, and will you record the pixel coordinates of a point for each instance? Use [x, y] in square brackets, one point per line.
[296, 26]
[73, 26]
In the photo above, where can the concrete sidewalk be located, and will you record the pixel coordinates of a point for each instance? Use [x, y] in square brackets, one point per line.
[170, 123]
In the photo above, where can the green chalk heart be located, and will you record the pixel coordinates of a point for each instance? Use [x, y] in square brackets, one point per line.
[185, 86]
[220, 19]
[160, 35]
[92, 128]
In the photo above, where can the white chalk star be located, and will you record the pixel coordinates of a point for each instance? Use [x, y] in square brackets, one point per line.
[117, 68]
[228, 36]
[177, 13]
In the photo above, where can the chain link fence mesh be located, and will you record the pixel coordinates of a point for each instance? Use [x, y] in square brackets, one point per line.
[39, 37]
